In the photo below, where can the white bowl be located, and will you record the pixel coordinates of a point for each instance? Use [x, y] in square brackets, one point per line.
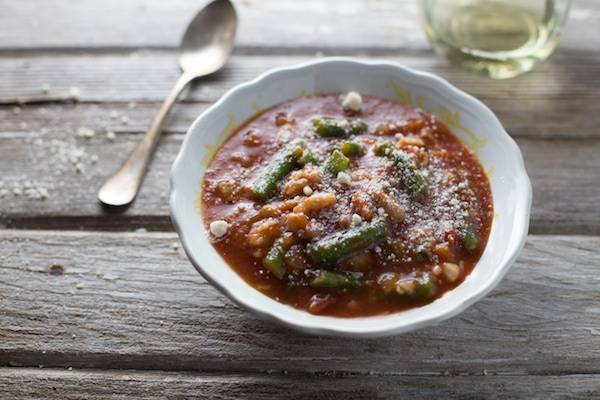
[467, 117]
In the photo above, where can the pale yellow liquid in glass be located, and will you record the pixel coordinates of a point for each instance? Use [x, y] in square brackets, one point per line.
[499, 38]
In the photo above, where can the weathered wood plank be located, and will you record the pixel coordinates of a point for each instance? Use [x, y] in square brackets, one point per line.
[148, 76]
[25, 383]
[533, 118]
[312, 24]
[143, 23]
[564, 174]
[101, 117]
[130, 300]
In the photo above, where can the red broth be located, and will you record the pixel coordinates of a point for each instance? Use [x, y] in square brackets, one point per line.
[347, 213]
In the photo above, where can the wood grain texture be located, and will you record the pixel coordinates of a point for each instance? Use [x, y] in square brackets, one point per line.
[148, 76]
[28, 383]
[543, 113]
[144, 23]
[130, 300]
[314, 24]
[133, 301]
[533, 118]
[564, 173]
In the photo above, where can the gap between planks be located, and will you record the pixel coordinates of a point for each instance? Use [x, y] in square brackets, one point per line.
[307, 51]
[125, 372]
[102, 384]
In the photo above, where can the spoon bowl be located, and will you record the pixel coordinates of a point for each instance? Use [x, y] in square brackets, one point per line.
[208, 39]
[204, 49]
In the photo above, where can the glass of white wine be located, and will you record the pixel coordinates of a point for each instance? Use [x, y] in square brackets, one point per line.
[501, 38]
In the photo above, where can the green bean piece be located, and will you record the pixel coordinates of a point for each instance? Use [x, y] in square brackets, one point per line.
[351, 149]
[336, 162]
[405, 167]
[357, 127]
[329, 279]
[274, 261]
[382, 147]
[424, 288]
[468, 239]
[329, 127]
[334, 247]
[266, 185]
[308, 157]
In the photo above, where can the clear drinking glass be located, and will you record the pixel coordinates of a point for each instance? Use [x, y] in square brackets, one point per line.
[502, 38]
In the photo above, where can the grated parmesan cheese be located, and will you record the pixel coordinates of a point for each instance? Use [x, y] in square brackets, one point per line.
[85, 132]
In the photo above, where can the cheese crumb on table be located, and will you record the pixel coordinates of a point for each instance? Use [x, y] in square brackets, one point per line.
[351, 101]
[219, 228]
[66, 155]
[29, 189]
[74, 92]
[85, 132]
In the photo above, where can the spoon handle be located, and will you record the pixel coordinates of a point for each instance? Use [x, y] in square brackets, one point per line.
[121, 188]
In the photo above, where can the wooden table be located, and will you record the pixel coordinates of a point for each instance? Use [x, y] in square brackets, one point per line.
[104, 305]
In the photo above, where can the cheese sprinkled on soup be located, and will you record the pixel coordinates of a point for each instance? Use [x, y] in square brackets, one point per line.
[347, 205]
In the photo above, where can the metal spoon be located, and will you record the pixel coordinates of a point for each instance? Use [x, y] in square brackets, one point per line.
[204, 49]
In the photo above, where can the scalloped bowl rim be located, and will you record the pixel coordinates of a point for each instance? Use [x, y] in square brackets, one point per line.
[375, 326]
